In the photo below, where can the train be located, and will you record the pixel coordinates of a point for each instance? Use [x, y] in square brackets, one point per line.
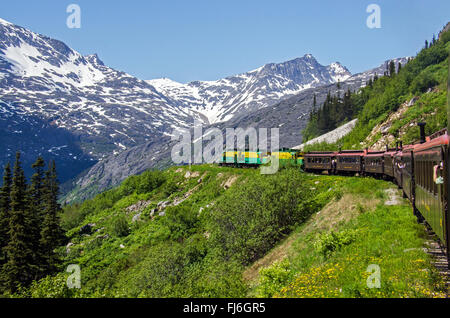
[421, 170]
[248, 158]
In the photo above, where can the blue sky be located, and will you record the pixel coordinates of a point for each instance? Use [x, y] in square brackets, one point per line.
[188, 40]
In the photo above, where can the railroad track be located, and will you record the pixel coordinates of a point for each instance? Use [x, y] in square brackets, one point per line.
[439, 258]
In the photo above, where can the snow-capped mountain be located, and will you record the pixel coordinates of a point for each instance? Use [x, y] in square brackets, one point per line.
[105, 111]
[290, 115]
[101, 106]
[222, 100]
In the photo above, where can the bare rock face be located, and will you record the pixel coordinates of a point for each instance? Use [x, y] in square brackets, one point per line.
[227, 184]
[162, 205]
[136, 218]
[138, 207]
[412, 101]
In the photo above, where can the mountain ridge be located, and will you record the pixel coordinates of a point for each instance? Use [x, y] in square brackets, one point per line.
[219, 102]
[290, 115]
[108, 111]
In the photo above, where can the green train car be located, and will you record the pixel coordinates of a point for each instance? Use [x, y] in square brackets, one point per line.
[247, 158]
[244, 158]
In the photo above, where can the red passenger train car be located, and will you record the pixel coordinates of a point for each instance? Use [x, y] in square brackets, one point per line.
[421, 170]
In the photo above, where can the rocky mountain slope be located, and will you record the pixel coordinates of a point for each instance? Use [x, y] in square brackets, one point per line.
[105, 111]
[332, 136]
[289, 115]
[225, 99]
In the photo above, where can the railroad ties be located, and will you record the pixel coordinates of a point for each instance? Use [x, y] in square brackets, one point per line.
[439, 258]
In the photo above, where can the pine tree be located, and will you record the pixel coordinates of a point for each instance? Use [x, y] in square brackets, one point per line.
[391, 68]
[314, 103]
[5, 207]
[399, 67]
[35, 195]
[19, 268]
[426, 44]
[51, 233]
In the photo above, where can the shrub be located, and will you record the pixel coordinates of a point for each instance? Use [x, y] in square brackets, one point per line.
[170, 187]
[250, 218]
[120, 227]
[149, 181]
[273, 278]
[330, 242]
[423, 82]
[51, 287]
[181, 221]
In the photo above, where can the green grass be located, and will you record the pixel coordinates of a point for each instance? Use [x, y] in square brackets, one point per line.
[334, 263]
[205, 245]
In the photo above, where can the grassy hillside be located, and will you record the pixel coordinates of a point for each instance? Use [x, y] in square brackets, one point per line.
[206, 231]
[367, 223]
[424, 78]
[180, 233]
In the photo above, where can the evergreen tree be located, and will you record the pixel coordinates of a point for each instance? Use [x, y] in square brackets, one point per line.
[35, 195]
[391, 68]
[51, 233]
[426, 44]
[5, 207]
[314, 103]
[19, 268]
[399, 67]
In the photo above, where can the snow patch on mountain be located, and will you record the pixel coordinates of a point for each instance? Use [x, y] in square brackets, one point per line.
[221, 100]
[331, 136]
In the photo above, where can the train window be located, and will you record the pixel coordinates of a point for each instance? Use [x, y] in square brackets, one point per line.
[435, 188]
[424, 173]
[418, 172]
[429, 177]
[421, 174]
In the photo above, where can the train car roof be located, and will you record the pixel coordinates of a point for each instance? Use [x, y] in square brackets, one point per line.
[440, 140]
[320, 154]
[375, 154]
[351, 153]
